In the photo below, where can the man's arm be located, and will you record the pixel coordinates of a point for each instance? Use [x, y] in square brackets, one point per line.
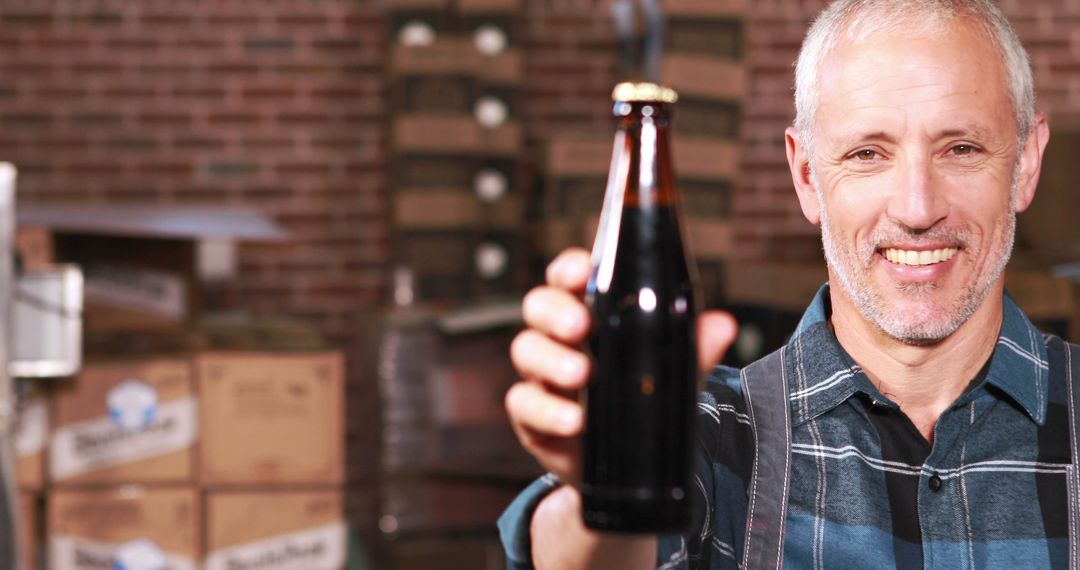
[548, 418]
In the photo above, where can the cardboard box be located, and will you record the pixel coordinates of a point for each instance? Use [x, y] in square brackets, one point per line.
[271, 418]
[275, 530]
[133, 283]
[129, 298]
[458, 55]
[433, 133]
[35, 247]
[31, 435]
[448, 94]
[454, 209]
[96, 529]
[125, 422]
[28, 535]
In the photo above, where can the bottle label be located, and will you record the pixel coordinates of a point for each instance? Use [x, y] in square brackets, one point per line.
[106, 442]
[72, 553]
[319, 548]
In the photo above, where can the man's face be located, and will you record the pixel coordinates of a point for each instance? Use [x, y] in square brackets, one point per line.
[914, 159]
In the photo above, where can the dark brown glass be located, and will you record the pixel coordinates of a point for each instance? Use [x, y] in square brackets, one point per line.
[641, 398]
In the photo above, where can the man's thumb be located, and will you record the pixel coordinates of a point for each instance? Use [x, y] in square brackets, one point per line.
[716, 331]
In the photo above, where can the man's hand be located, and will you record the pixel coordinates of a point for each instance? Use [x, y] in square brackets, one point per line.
[543, 407]
[548, 419]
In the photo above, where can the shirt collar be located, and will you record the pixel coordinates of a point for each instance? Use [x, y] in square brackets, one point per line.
[824, 375]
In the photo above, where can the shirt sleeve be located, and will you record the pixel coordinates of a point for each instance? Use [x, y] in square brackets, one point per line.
[721, 470]
[515, 522]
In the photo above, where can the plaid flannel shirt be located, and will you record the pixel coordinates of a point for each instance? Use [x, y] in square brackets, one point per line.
[867, 490]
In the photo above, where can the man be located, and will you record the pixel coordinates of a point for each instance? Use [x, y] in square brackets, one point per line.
[928, 417]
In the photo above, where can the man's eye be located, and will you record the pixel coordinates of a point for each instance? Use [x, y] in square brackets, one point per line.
[865, 154]
[963, 150]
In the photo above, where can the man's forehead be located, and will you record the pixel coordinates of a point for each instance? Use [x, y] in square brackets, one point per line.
[849, 134]
[910, 30]
[944, 81]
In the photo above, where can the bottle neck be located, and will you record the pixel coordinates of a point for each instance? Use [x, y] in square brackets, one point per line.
[651, 182]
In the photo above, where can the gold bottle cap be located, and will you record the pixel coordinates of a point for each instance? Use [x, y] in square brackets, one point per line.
[630, 92]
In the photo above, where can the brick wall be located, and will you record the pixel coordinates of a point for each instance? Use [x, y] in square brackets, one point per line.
[274, 106]
[267, 105]
[279, 106]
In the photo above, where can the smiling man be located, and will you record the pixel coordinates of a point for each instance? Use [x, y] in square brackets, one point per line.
[928, 422]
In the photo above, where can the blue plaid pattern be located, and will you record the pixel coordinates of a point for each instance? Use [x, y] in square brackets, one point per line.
[867, 490]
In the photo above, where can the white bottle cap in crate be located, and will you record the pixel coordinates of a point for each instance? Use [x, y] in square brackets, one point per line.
[490, 111]
[490, 184]
[416, 33]
[490, 39]
[491, 260]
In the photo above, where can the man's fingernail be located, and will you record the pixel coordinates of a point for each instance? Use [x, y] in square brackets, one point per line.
[570, 271]
[571, 324]
[572, 366]
[569, 418]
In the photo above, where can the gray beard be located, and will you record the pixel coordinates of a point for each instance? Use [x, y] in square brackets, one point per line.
[851, 272]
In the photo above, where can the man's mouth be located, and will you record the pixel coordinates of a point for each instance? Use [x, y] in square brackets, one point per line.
[918, 258]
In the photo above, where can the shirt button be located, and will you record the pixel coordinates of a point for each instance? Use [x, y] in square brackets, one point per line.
[934, 483]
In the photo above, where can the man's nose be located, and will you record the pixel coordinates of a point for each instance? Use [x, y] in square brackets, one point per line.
[918, 202]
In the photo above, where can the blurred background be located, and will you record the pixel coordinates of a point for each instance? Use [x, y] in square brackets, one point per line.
[304, 226]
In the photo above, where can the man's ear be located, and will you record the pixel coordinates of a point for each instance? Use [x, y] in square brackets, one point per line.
[799, 163]
[1031, 162]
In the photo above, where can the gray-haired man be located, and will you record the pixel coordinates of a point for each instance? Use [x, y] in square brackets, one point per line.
[929, 421]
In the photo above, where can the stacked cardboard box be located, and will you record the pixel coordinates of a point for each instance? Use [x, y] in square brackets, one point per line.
[157, 459]
[272, 461]
[159, 444]
[127, 526]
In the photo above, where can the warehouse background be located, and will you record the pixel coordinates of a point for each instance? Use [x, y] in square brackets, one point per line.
[284, 107]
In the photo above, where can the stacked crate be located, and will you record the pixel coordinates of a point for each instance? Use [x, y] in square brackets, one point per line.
[451, 463]
[702, 62]
[456, 133]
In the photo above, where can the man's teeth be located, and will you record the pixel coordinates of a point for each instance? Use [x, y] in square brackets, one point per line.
[919, 258]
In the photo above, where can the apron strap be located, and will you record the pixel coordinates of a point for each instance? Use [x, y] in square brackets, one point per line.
[765, 387]
[1071, 358]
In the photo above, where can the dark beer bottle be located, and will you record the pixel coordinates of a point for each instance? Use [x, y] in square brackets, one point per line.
[642, 294]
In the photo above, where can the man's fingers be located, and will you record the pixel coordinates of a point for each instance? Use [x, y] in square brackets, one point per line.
[549, 427]
[556, 313]
[716, 331]
[569, 270]
[532, 407]
[561, 456]
[537, 356]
